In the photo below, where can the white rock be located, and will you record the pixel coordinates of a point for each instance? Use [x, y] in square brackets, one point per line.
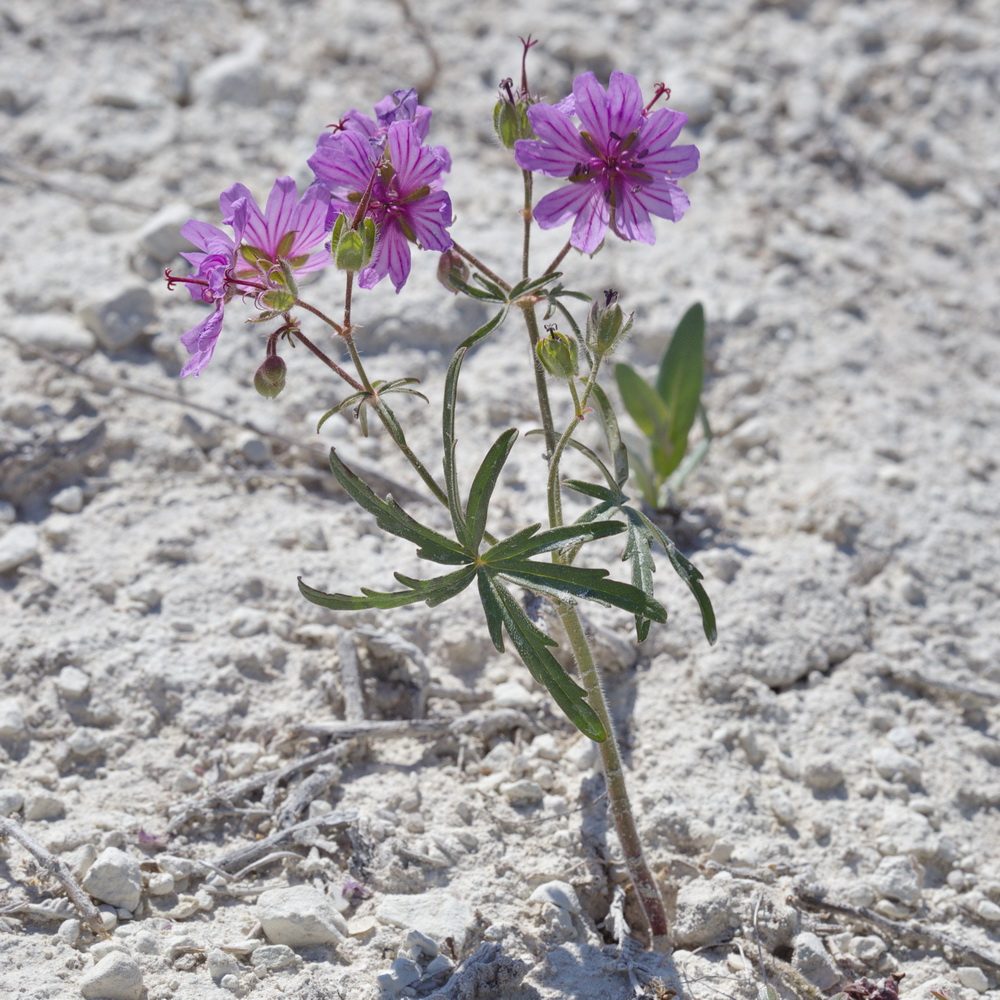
[436, 913]
[822, 774]
[115, 878]
[72, 682]
[43, 805]
[247, 622]
[298, 916]
[160, 237]
[239, 78]
[83, 742]
[69, 931]
[10, 801]
[705, 912]
[988, 910]
[8, 512]
[523, 792]
[69, 500]
[273, 956]
[220, 964]
[510, 694]
[117, 976]
[811, 959]
[895, 766]
[118, 315]
[12, 723]
[421, 942]
[972, 977]
[54, 332]
[782, 806]
[561, 894]
[17, 546]
[897, 878]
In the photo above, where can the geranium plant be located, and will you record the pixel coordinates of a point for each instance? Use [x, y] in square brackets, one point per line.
[378, 194]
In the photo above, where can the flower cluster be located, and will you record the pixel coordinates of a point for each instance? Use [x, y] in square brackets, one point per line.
[379, 173]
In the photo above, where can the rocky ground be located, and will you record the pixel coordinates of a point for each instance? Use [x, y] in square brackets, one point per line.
[819, 791]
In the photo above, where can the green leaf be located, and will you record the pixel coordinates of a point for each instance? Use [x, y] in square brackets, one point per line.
[531, 542]
[604, 470]
[494, 294]
[477, 509]
[434, 591]
[691, 576]
[531, 285]
[532, 646]
[449, 406]
[679, 381]
[392, 518]
[650, 414]
[597, 492]
[619, 455]
[342, 405]
[564, 582]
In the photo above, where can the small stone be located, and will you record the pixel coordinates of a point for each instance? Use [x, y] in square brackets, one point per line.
[972, 977]
[12, 723]
[10, 801]
[160, 884]
[897, 879]
[248, 622]
[559, 893]
[987, 910]
[811, 959]
[298, 916]
[72, 682]
[523, 792]
[823, 775]
[160, 236]
[115, 878]
[545, 746]
[869, 949]
[257, 451]
[8, 512]
[423, 944]
[17, 546]
[231, 983]
[69, 931]
[782, 807]
[146, 943]
[109, 917]
[53, 332]
[360, 926]
[117, 976]
[705, 912]
[510, 694]
[83, 742]
[238, 78]
[118, 315]
[895, 766]
[273, 957]
[43, 806]
[221, 964]
[69, 500]
[436, 913]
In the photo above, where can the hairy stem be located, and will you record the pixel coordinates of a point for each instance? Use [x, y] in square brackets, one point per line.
[621, 809]
[480, 266]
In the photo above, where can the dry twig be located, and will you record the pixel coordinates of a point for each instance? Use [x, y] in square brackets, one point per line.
[59, 870]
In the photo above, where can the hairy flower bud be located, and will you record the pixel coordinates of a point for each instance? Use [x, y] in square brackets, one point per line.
[352, 248]
[510, 116]
[278, 300]
[607, 325]
[269, 379]
[452, 266]
[559, 355]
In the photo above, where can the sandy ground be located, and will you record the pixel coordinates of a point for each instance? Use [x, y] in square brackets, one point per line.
[841, 742]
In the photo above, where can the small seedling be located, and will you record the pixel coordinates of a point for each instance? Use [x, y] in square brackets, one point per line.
[665, 413]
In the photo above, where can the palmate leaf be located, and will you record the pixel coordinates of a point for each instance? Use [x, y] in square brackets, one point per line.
[642, 533]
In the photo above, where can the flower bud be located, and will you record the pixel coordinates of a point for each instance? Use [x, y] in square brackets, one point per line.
[607, 325]
[269, 379]
[451, 265]
[352, 248]
[278, 300]
[510, 122]
[559, 355]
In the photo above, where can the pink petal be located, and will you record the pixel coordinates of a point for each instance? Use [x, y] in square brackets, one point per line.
[558, 206]
[665, 199]
[677, 161]
[429, 218]
[279, 215]
[592, 109]
[200, 342]
[624, 104]
[343, 161]
[632, 219]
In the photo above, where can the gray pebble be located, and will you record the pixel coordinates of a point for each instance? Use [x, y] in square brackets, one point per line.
[83, 742]
[221, 964]
[823, 774]
[8, 512]
[895, 766]
[523, 792]
[117, 976]
[247, 622]
[424, 944]
[973, 978]
[239, 78]
[118, 315]
[160, 238]
[897, 878]
[115, 878]
[988, 910]
[69, 931]
[17, 546]
[559, 893]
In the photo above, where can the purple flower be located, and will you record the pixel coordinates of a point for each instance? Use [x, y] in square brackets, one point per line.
[406, 201]
[289, 230]
[621, 163]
